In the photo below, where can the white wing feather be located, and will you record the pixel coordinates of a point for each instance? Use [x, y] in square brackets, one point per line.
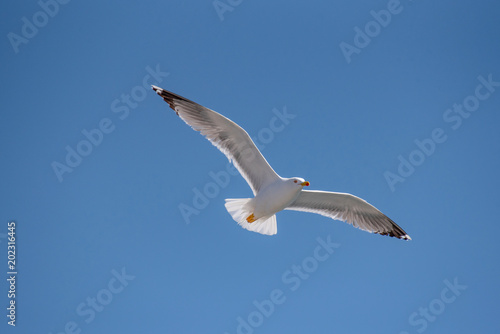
[227, 136]
[350, 209]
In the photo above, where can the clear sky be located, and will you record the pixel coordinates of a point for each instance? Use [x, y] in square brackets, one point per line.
[119, 205]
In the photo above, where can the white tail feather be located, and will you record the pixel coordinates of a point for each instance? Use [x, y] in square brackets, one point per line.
[241, 208]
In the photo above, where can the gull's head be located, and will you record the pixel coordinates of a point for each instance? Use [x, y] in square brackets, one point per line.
[299, 181]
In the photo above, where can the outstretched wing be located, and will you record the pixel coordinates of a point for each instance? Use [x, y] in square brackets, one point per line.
[227, 136]
[350, 209]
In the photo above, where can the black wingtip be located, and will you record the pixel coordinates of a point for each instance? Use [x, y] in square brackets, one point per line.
[166, 95]
[397, 232]
[171, 98]
[402, 236]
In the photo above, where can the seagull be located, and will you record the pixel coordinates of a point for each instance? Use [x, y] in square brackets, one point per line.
[273, 193]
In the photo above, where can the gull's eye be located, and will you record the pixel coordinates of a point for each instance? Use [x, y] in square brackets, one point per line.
[294, 181]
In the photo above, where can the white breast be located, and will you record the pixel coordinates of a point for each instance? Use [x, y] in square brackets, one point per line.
[275, 197]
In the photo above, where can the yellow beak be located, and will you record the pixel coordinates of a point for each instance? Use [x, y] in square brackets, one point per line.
[305, 183]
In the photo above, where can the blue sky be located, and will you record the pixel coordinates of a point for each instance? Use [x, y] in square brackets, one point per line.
[102, 245]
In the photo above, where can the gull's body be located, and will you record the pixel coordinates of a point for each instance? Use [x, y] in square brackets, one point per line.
[276, 197]
[258, 213]
[273, 193]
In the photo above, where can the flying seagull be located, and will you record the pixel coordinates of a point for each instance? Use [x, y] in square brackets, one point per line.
[273, 193]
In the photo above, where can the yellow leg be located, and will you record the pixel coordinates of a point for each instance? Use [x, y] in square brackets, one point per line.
[251, 218]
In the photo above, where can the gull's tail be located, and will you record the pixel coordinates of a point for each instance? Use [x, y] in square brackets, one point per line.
[241, 208]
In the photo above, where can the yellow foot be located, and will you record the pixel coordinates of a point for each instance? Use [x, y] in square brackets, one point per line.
[251, 218]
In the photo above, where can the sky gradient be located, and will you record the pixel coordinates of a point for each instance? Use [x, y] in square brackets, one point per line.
[119, 205]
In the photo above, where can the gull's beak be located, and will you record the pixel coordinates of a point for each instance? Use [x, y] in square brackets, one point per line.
[306, 183]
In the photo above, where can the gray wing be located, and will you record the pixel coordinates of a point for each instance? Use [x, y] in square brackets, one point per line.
[227, 136]
[350, 209]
